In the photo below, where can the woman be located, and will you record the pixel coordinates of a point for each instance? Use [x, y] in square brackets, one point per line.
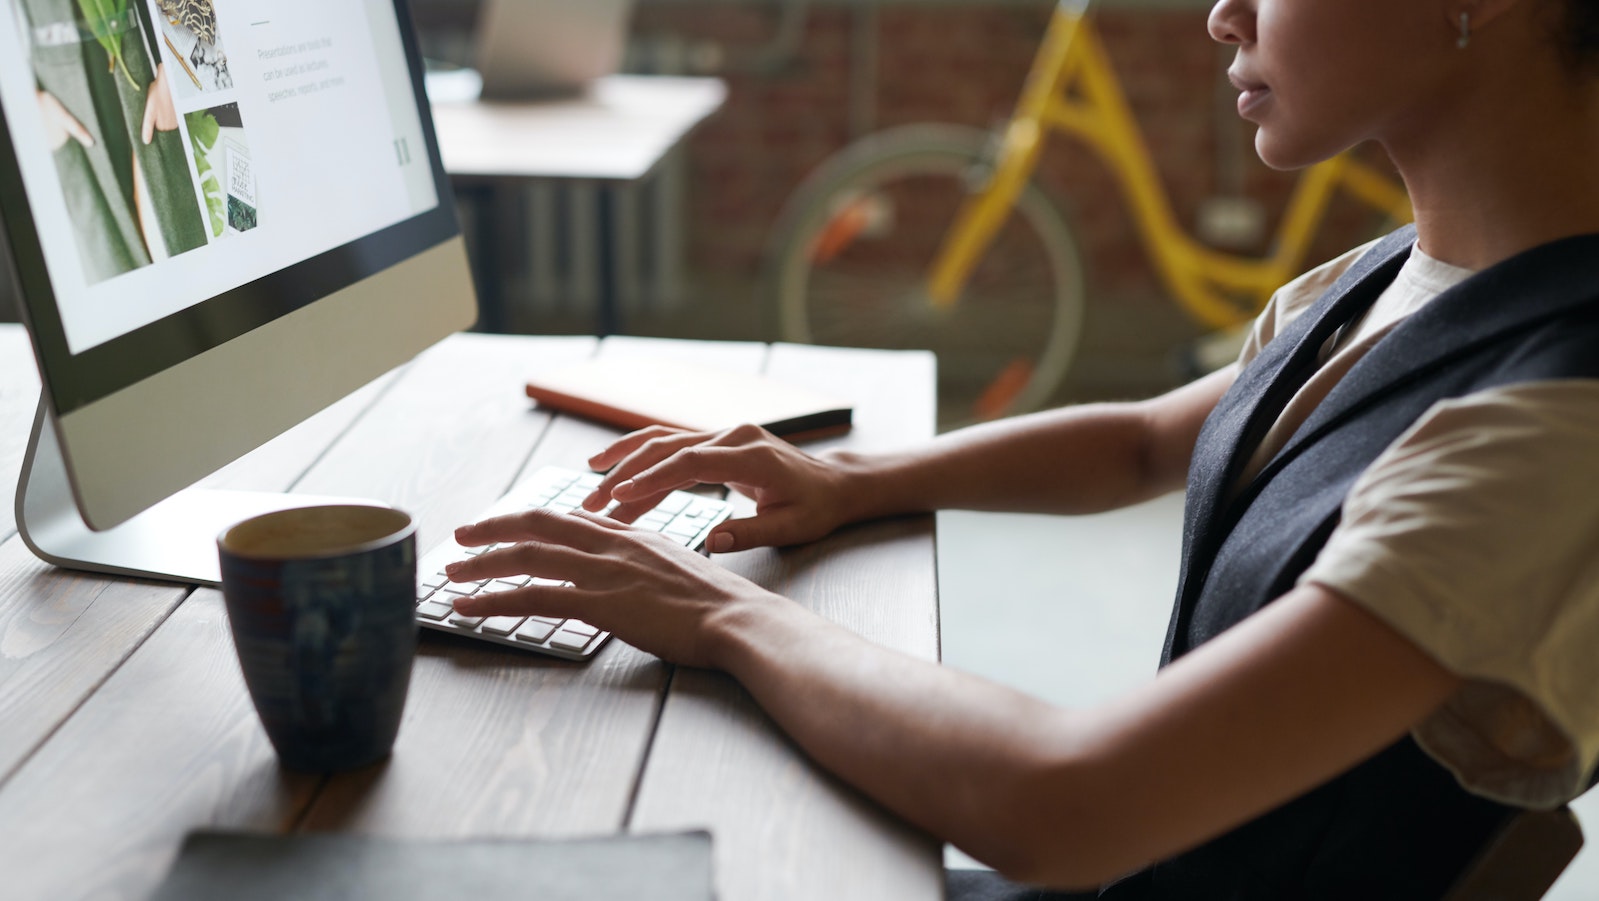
[1381, 644]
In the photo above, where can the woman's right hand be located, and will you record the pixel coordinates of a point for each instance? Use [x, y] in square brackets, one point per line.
[798, 497]
[60, 125]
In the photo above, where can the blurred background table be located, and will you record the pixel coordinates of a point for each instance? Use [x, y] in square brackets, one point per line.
[613, 138]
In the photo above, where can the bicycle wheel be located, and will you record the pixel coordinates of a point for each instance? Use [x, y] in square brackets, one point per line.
[849, 260]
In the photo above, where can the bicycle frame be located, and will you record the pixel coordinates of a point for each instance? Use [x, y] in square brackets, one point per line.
[1073, 88]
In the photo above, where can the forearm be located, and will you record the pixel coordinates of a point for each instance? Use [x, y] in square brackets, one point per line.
[1073, 460]
[1277, 705]
[1084, 459]
[957, 756]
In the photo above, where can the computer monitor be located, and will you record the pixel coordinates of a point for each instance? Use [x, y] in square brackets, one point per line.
[222, 219]
[541, 48]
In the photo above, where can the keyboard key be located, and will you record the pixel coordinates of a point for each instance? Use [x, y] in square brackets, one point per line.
[434, 611]
[508, 584]
[551, 620]
[461, 588]
[466, 622]
[674, 503]
[570, 641]
[703, 508]
[436, 580]
[684, 527]
[652, 521]
[580, 627]
[535, 631]
[501, 625]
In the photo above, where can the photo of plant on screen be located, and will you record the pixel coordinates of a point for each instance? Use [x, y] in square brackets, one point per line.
[189, 29]
[111, 130]
[222, 163]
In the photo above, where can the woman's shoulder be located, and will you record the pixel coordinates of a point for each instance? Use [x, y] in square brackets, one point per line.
[1296, 297]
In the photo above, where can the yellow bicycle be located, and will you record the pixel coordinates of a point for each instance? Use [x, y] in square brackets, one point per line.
[936, 236]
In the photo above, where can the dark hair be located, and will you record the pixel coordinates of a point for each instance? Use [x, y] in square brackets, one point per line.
[1578, 35]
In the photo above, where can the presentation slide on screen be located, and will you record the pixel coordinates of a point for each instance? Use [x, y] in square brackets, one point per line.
[173, 150]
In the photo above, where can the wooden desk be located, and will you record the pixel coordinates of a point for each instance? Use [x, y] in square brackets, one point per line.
[615, 136]
[124, 722]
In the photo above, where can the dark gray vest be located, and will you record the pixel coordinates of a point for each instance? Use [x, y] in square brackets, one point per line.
[1398, 825]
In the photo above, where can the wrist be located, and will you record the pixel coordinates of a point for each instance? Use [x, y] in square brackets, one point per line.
[868, 486]
[728, 633]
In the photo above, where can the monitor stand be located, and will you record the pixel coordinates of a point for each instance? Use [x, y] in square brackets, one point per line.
[173, 541]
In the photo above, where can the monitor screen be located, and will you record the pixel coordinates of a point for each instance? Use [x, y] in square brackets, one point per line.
[186, 170]
[223, 217]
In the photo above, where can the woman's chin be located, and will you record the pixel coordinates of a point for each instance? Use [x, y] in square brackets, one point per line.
[1284, 153]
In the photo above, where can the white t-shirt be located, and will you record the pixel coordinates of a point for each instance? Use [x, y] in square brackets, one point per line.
[1476, 536]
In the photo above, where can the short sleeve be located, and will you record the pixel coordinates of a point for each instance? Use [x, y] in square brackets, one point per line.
[1476, 536]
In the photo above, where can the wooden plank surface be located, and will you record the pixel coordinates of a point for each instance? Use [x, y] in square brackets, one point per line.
[61, 634]
[169, 743]
[783, 828]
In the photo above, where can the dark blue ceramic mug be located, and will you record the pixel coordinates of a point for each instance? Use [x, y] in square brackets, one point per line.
[321, 601]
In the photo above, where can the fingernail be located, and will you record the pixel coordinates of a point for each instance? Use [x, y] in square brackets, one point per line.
[452, 568]
[721, 542]
[622, 488]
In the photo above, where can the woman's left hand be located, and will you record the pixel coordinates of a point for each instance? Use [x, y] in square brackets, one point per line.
[652, 593]
[159, 113]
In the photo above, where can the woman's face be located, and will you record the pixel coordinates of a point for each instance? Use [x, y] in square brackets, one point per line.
[1319, 76]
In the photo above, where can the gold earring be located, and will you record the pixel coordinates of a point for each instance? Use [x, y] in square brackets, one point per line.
[1465, 31]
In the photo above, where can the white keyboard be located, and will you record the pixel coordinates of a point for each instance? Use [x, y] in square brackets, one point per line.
[686, 518]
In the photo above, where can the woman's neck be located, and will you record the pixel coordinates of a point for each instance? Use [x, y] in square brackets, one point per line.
[1509, 167]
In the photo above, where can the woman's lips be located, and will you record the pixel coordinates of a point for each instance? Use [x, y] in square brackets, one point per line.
[1251, 100]
[1251, 93]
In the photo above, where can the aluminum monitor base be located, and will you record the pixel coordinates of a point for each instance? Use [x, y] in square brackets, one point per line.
[173, 541]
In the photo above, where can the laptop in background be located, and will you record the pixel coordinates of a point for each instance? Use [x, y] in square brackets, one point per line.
[539, 48]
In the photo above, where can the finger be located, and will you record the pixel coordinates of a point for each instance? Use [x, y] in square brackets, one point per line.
[645, 455]
[602, 520]
[528, 558]
[628, 443]
[532, 600]
[148, 130]
[640, 504]
[534, 525]
[76, 129]
[702, 465]
[768, 529]
[629, 513]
